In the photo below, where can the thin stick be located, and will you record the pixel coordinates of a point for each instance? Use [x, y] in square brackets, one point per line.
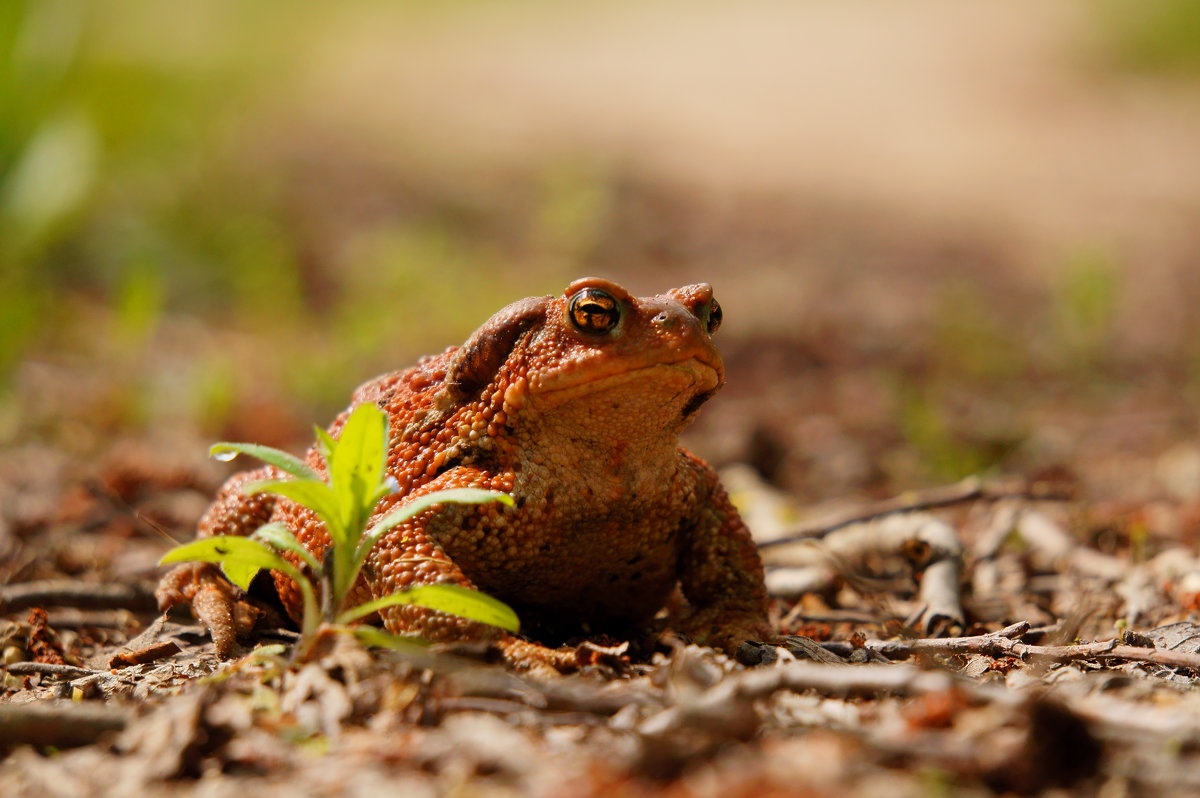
[70, 593]
[1005, 644]
[969, 490]
[49, 669]
[62, 725]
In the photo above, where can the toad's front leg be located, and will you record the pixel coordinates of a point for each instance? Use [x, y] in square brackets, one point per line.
[213, 599]
[721, 573]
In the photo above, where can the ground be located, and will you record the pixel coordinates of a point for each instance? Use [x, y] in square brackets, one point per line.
[956, 249]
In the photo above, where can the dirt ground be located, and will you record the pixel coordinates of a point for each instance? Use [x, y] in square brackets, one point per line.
[956, 246]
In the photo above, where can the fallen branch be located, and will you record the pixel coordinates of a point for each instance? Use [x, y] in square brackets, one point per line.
[75, 618]
[969, 490]
[1005, 643]
[49, 669]
[61, 725]
[71, 593]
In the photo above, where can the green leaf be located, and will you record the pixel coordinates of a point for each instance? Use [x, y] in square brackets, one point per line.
[283, 539]
[276, 457]
[228, 549]
[412, 508]
[421, 504]
[313, 494]
[357, 469]
[373, 636]
[267, 652]
[452, 599]
[241, 551]
[240, 574]
[326, 445]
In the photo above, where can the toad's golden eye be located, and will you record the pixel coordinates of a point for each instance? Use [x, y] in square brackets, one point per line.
[594, 311]
[714, 317]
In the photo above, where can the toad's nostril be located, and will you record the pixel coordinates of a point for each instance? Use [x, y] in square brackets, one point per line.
[664, 320]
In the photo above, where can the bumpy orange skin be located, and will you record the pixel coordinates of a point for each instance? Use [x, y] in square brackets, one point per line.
[581, 426]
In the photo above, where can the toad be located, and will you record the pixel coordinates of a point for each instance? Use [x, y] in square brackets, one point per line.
[573, 405]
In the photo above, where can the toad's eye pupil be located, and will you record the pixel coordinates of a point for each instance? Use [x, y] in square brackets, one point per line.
[594, 311]
[714, 317]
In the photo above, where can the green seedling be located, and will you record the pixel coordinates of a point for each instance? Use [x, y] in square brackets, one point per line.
[345, 503]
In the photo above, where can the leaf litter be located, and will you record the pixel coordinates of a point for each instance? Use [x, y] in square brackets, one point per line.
[1057, 665]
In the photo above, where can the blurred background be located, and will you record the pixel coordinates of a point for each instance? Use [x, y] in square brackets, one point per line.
[949, 238]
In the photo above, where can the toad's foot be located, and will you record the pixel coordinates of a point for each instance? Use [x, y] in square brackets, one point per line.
[726, 632]
[540, 660]
[215, 601]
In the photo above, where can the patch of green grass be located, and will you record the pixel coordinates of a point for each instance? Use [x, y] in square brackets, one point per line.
[118, 123]
[345, 502]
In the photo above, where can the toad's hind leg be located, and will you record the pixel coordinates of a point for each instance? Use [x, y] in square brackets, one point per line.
[213, 599]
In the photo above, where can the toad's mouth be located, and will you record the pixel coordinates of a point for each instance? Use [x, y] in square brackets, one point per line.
[687, 383]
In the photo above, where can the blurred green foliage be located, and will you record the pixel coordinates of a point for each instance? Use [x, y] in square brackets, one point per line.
[141, 176]
[1085, 303]
[969, 338]
[1153, 35]
[926, 425]
[112, 114]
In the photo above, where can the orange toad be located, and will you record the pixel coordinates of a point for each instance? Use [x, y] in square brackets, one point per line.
[573, 405]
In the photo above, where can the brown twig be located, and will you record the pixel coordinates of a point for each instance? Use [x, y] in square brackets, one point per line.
[1006, 643]
[144, 655]
[70, 593]
[62, 725]
[75, 618]
[969, 490]
[49, 669]
[1156, 656]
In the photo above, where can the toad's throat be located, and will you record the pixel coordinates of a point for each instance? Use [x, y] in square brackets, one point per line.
[618, 434]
